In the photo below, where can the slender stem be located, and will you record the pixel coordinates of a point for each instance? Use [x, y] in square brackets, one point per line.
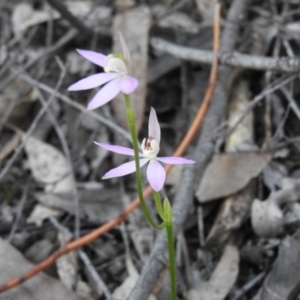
[169, 228]
[166, 216]
[131, 122]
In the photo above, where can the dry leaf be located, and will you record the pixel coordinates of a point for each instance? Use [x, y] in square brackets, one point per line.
[180, 21]
[47, 163]
[221, 280]
[23, 94]
[48, 166]
[292, 217]
[124, 290]
[273, 174]
[41, 213]
[283, 282]
[66, 270]
[267, 216]
[97, 205]
[41, 286]
[233, 212]
[243, 132]
[228, 173]
[134, 25]
[235, 209]
[39, 251]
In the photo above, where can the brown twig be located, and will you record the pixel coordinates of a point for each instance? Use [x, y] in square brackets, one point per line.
[88, 238]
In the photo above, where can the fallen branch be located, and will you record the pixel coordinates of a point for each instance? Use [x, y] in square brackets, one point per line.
[229, 58]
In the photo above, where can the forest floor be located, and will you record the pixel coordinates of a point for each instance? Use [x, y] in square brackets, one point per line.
[67, 234]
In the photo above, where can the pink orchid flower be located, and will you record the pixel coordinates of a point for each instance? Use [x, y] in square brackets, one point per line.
[115, 76]
[156, 174]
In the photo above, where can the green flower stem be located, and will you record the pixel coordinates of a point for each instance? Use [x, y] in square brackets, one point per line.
[164, 211]
[169, 228]
[131, 123]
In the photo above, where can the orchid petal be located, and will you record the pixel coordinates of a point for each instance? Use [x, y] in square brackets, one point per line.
[125, 49]
[124, 169]
[107, 93]
[156, 175]
[175, 160]
[128, 84]
[153, 128]
[92, 81]
[92, 56]
[117, 149]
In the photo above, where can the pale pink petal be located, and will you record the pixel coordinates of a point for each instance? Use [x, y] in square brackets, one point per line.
[92, 81]
[107, 93]
[156, 175]
[128, 84]
[125, 49]
[153, 127]
[124, 169]
[92, 56]
[175, 160]
[116, 149]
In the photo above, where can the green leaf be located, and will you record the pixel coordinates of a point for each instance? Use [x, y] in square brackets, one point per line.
[167, 210]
